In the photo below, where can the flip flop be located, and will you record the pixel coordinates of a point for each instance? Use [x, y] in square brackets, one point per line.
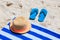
[33, 14]
[42, 15]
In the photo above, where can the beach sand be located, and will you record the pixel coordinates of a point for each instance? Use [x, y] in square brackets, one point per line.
[11, 8]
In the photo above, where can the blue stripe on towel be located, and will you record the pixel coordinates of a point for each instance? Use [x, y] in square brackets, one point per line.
[4, 38]
[17, 35]
[46, 31]
[38, 35]
[8, 24]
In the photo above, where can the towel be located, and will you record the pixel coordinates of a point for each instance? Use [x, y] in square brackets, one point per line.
[37, 32]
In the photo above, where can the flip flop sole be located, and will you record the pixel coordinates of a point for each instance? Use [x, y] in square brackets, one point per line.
[33, 13]
[42, 15]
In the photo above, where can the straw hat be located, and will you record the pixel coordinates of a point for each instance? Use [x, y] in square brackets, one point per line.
[20, 25]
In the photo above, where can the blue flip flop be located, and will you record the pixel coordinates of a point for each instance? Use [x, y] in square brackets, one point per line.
[33, 13]
[42, 15]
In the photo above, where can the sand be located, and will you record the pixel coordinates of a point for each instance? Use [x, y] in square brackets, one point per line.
[11, 8]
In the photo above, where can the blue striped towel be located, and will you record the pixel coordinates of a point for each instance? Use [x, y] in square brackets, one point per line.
[36, 33]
